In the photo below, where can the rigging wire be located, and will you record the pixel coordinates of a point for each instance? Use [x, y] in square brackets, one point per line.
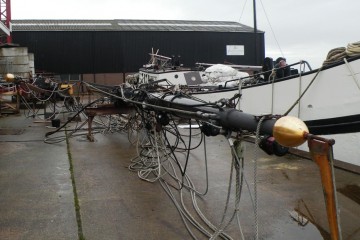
[272, 30]
[184, 183]
[242, 11]
[303, 93]
[167, 156]
[157, 159]
[268, 21]
[158, 155]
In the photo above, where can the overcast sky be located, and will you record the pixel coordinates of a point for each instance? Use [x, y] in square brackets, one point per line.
[305, 29]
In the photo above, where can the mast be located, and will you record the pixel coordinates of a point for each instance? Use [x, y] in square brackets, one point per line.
[255, 32]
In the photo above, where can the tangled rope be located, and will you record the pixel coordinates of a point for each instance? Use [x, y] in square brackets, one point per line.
[338, 54]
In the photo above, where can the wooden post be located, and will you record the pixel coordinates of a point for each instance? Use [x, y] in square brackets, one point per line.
[321, 153]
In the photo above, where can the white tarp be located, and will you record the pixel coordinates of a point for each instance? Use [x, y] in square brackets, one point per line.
[218, 74]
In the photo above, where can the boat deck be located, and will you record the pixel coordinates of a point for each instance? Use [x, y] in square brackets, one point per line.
[78, 189]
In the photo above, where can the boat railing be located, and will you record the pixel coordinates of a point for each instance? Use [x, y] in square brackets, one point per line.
[155, 82]
[257, 78]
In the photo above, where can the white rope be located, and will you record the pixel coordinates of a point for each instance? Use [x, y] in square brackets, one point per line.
[302, 64]
[353, 49]
[303, 93]
[272, 95]
[158, 150]
[257, 138]
[352, 73]
[338, 54]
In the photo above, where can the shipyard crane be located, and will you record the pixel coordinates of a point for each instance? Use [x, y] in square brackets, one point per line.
[5, 22]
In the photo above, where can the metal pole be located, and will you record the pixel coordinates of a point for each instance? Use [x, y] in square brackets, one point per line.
[8, 20]
[255, 32]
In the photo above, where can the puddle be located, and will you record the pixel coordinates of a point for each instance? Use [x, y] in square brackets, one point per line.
[309, 225]
[84, 138]
[11, 131]
[289, 166]
[352, 192]
[298, 224]
[8, 148]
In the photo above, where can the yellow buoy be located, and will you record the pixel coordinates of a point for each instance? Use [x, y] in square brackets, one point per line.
[9, 77]
[69, 87]
[289, 131]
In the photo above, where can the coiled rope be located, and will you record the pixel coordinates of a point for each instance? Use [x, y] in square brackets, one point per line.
[338, 54]
[334, 55]
[353, 49]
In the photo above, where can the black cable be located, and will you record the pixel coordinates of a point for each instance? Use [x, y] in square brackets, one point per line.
[72, 118]
[188, 150]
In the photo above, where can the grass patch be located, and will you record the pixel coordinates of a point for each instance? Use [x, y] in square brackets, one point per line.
[76, 199]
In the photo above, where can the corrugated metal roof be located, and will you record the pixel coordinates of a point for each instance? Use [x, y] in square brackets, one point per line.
[128, 25]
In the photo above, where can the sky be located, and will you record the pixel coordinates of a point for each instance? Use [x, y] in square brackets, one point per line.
[297, 30]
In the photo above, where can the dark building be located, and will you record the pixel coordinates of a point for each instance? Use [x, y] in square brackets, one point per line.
[98, 47]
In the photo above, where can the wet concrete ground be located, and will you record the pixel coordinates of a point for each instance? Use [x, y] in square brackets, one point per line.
[77, 188]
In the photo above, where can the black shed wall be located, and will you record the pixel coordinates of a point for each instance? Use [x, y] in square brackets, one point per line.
[120, 51]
